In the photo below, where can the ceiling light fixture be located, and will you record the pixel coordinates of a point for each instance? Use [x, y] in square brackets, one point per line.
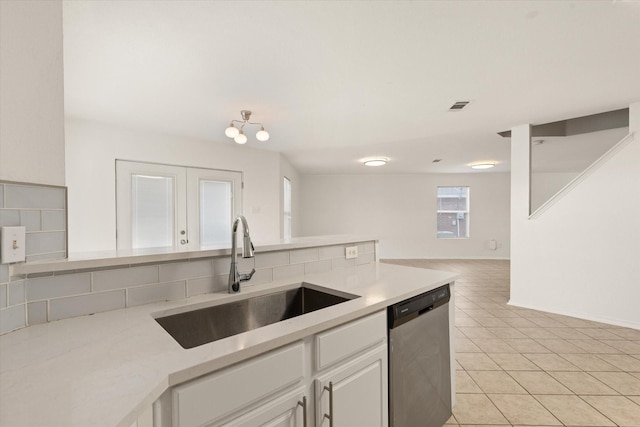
[238, 134]
[375, 162]
[482, 165]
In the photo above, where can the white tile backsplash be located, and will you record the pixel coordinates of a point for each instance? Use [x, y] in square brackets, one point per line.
[13, 318]
[45, 242]
[154, 293]
[4, 273]
[317, 266]
[3, 295]
[124, 277]
[58, 286]
[9, 218]
[37, 312]
[304, 255]
[365, 258]
[329, 252]
[173, 271]
[16, 292]
[31, 220]
[287, 271]
[205, 285]
[337, 263]
[86, 304]
[366, 247]
[272, 259]
[53, 220]
[34, 197]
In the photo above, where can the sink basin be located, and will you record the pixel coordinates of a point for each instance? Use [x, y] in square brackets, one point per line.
[193, 328]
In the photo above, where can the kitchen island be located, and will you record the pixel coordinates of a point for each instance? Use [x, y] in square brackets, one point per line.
[109, 368]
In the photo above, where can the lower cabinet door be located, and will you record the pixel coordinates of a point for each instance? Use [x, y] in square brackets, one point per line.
[287, 410]
[354, 394]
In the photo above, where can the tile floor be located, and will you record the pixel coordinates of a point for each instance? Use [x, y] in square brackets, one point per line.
[522, 367]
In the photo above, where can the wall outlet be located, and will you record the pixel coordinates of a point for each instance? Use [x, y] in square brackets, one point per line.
[351, 252]
[12, 244]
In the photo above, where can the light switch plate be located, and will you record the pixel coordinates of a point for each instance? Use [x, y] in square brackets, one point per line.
[351, 252]
[12, 244]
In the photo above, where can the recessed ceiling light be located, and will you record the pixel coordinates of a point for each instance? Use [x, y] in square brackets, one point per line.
[482, 165]
[376, 162]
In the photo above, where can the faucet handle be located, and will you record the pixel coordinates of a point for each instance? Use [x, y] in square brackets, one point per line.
[245, 277]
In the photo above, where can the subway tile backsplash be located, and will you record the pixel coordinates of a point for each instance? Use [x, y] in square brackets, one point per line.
[44, 297]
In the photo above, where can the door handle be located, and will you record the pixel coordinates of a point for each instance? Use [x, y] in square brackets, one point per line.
[330, 415]
[303, 403]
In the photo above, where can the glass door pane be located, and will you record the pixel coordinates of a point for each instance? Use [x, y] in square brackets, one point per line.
[216, 212]
[152, 212]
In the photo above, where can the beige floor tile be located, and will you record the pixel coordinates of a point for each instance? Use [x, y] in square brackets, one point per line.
[519, 322]
[590, 362]
[635, 399]
[507, 333]
[476, 362]
[465, 345]
[551, 362]
[583, 383]
[622, 382]
[492, 322]
[621, 410]
[498, 382]
[476, 332]
[459, 367]
[573, 411]
[621, 361]
[493, 345]
[559, 346]
[526, 345]
[513, 362]
[629, 347]
[465, 384]
[569, 333]
[466, 321]
[477, 409]
[546, 322]
[452, 421]
[523, 409]
[598, 334]
[539, 382]
[626, 333]
[538, 332]
[594, 346]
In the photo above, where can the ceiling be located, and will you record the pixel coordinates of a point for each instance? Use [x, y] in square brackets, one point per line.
[335, 82]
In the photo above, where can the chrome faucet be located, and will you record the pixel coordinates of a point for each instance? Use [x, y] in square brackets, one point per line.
[247, 252]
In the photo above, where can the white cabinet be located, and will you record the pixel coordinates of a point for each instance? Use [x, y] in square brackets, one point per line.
[288, 410]
[354, 394]
[278, 388]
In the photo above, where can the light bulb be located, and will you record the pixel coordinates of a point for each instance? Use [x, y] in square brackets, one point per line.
[231, 131]
[375, 162]
[262, 135]
[241, 138]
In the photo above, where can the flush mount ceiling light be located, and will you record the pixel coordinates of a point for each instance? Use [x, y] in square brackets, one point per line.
[238, 134]
[380, 161]
[482, 165]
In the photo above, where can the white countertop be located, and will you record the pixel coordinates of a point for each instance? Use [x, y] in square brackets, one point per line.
[84, 260]
[105, 369]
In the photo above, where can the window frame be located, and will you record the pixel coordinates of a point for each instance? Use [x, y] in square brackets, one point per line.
[466, 212]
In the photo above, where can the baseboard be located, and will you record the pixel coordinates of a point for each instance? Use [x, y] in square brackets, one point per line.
[448, 258]
[579, 315]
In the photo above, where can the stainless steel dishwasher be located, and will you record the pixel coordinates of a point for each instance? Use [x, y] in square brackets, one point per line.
[419, 360]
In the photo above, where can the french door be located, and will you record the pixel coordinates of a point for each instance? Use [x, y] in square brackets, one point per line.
[176, 207]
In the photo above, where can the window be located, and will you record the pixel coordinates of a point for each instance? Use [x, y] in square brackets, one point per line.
[164, 206]
[286, 209]
[453, 212]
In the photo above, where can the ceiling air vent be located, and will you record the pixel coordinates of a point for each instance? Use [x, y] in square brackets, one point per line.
[436, 160]
[459, 105]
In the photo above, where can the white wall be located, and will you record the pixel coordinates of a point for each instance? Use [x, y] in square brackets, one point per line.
[545, 184]
[580, 257]
[400, 210]
[31, 92]
[91, 152]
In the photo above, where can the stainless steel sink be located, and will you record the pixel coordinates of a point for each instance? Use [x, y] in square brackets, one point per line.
[193, 328]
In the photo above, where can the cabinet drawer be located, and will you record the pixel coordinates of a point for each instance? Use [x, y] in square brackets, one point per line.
[211, 397]
[345, 341]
